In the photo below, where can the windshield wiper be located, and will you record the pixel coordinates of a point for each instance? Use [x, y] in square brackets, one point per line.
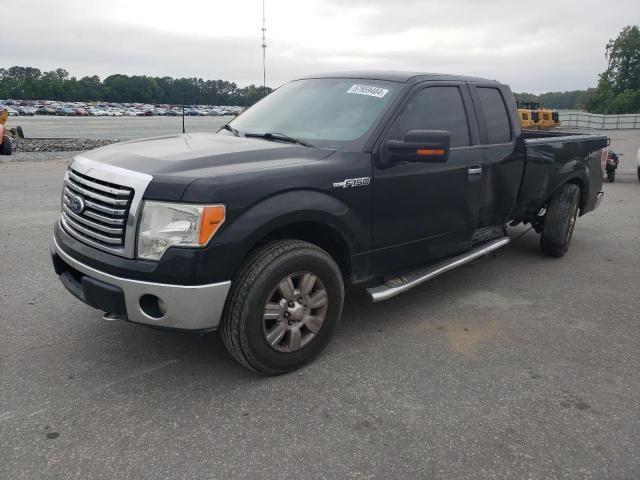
[226, 126]
[278, 137]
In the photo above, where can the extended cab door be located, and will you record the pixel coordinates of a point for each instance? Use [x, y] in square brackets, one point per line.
[426, 210]
[502, 162]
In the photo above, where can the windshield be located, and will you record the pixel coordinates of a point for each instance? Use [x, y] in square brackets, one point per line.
[327, 112]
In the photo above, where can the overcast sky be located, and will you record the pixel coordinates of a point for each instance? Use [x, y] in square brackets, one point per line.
[534, 46]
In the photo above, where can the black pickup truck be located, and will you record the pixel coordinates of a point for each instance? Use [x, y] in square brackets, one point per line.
[382, 179]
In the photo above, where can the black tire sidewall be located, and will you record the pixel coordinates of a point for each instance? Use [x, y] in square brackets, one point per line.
[556, 237]
[255, 344]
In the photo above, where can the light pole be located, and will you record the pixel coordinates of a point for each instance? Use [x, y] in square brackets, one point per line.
[264, 48]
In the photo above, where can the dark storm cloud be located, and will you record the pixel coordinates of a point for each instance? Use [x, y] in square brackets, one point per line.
[534, 46]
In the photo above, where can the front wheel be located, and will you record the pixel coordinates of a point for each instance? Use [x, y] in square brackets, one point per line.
[611, 176]
[639, 174]
[283, 307]
[560, 220]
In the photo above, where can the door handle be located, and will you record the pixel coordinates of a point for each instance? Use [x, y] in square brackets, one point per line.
[475, 170]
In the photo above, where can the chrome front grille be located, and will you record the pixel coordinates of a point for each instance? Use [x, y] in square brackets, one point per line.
[95, 210]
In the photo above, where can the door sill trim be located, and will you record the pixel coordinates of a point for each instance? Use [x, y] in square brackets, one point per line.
[395, 286]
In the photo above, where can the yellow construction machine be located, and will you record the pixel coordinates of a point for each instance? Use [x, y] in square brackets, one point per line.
[533, 116]
[529, 118]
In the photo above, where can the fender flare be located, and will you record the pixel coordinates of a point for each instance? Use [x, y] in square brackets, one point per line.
[294, 206]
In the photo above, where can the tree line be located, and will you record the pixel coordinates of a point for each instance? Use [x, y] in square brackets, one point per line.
[29, 83]
[569, 100]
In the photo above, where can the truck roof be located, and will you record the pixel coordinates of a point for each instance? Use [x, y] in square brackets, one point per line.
[397, 76]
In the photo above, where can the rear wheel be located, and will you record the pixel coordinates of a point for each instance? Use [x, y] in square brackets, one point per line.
[639, 174]
[283, 307]
[5, 148]
[560, 221]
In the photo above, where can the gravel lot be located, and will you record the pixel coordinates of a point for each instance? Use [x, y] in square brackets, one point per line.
[32, 145]
[517, 366]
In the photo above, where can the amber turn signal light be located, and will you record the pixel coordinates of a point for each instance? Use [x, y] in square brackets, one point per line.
[429, 152]
[212, 218]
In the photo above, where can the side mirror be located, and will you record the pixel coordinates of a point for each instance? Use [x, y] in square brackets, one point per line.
[420, 146]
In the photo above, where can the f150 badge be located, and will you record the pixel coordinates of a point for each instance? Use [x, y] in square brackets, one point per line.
[352, 182]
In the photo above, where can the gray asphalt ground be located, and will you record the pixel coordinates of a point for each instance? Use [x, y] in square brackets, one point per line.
[626, 142]
[517, 366]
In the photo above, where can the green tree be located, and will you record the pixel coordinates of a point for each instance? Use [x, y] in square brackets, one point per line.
[89, 88]
[619, 85]
[570, 100]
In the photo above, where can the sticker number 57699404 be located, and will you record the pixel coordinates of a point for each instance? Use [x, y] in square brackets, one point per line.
[368, 90]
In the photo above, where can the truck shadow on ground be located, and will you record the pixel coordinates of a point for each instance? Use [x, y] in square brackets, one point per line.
[362, 322]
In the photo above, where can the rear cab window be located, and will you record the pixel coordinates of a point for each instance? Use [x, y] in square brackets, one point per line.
[494, 115]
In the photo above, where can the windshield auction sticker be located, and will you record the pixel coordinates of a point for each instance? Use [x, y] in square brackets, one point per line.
[367, 90]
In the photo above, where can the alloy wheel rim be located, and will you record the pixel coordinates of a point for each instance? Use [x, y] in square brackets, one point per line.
[294, 312]
[572, 224]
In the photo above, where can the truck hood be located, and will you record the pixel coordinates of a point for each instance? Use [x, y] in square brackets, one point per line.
[192, 156]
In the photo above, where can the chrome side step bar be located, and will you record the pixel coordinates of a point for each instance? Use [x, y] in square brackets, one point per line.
[395, 286]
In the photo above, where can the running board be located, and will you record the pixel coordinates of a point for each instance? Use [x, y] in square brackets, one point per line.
[395, 286]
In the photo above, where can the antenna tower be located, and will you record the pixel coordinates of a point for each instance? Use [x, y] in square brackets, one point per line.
[264, 48]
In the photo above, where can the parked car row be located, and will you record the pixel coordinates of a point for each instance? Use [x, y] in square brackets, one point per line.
[104, 109]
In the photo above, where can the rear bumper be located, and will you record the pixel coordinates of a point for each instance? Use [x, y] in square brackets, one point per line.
[183, 307]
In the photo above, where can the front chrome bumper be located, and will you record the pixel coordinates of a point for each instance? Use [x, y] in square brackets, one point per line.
[185, 307]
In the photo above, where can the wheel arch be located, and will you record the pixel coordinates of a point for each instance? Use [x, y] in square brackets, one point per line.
[320, 234]
[576, 173]
[311, 216]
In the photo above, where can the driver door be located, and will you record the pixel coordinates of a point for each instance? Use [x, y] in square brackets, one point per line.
[424, 210]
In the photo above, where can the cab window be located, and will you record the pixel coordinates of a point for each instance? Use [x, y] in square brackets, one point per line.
[495, 115]
[435, 108]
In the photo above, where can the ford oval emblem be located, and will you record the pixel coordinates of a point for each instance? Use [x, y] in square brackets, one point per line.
[76, 204]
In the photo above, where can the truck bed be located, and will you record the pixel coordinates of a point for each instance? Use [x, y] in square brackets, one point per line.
[553, 157]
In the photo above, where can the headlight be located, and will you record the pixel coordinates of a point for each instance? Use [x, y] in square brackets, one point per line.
[165, 225]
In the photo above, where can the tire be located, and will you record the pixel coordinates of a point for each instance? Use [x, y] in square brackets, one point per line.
[639, 174]
[560, 220]
[611, 176]
[255, 314]
[5, 148]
